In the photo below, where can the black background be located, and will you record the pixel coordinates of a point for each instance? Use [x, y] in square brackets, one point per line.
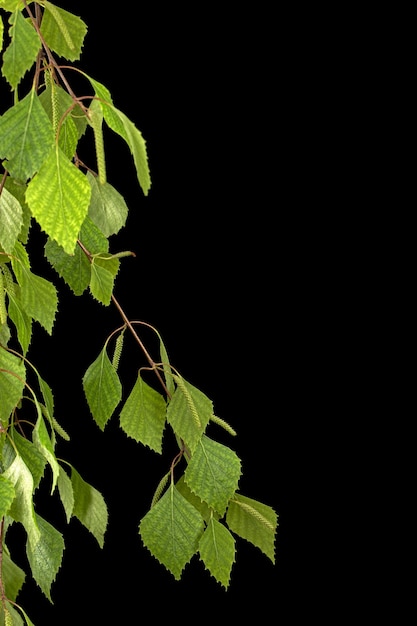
[217, 245]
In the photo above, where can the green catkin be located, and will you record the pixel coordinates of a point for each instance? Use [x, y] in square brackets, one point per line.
[118, 350]
[96, 121]
[188, 399]
[55, 12]
[223, 424]
[9, 285]
[54, 102]
[160, 488]
[3, 310]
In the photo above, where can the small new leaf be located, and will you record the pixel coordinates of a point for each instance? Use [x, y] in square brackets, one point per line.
[104, 269]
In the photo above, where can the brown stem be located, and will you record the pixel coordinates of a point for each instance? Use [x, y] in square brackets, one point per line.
[130, 327]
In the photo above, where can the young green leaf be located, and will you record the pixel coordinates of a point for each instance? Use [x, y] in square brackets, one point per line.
[217, 551]
[224, 468]
[58, 197]
[22, 509]
[89, 507]
[21, 320]
[33, 458]
[38, 296]
[67, 119]
[66, 492]
[124, 127]
[171, 531]
[12, 382]
[63, 32]
[107, 209]
[13, 576]
[189, 412]
[255, 522]
[7, 494]
[22, 51]
[75, 268]
[11, 220]
[44, 444]
[45, 557]
[26, 137]
[102, 388]
[143, 415]
[104, 269]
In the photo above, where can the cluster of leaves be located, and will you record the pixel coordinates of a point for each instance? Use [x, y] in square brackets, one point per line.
[196, 510]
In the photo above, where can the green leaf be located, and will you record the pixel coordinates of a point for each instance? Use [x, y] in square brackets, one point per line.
[7, 494]
[255, 522]
[63, 32]
[169, 381]
[189, 412]
[13, 576]
[12, 382]
[9, 616]
[33, 458]
[38, 296]
[12, 5]
[21, 320]
[11, 220]
[202, 507]
[43, 442]
[22, 509]
[75, 269]
[143, 415]
[217, 551]
[58, 198]
[46, 557]
[89, 507]
[222, 465]
[123, 126]
[108, 209]
[171, 531]
[69, 120]
[66, 492]
[18, 190]
[26, 137]
[103, 272]
[137, 146]
[22, 51]
[102, 388]
[12, 617]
